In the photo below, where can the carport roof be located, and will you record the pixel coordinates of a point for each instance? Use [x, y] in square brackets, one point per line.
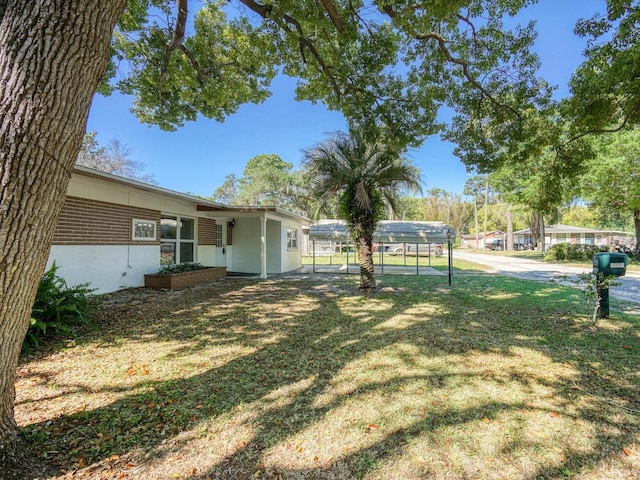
[388, 231]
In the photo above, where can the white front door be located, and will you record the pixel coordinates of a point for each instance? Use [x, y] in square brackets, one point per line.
[221, 244]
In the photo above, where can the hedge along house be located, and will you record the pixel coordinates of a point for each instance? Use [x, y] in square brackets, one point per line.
[113, 230]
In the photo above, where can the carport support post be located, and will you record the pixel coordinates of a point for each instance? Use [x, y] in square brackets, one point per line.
[404, 253]
[347, 256]
[313, 248]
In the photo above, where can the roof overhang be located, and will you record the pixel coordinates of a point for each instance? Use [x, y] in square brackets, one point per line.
[201, 204]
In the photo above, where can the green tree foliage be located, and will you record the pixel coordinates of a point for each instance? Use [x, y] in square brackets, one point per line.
[581, 216]
[612, 182]
[440, 206]
[115, 158]
[381, 64]
[365, 176]
[227, 193]
[605, 87]
[267, 180]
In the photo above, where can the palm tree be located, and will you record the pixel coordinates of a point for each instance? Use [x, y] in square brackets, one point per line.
[364, 176]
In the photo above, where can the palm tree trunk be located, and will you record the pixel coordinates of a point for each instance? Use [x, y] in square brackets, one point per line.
[365, 257]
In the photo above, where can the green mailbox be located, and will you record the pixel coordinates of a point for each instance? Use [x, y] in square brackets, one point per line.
[610, 263]
[607, 263]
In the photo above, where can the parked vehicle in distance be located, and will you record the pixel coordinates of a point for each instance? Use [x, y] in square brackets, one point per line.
[391, 248]
[498, 244]
[399, 249]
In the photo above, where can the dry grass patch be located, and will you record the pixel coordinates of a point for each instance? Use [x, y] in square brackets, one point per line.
[494, 378]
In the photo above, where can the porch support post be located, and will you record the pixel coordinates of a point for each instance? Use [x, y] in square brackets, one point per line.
[263, 246]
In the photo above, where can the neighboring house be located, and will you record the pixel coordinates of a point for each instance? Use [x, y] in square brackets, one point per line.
[555, 234]
[113, 230]
[471, 241]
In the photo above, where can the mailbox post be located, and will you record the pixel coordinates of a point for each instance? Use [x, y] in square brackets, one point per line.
[607, 263]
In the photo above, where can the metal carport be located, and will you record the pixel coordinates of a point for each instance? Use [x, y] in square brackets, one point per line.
[389, 231]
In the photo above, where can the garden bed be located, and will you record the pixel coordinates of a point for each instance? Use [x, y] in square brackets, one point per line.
[184, 279]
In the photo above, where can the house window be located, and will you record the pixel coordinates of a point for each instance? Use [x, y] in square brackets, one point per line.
[177, 239]
[219, 235]
[144, 230]
[589, 238]
[292, 238]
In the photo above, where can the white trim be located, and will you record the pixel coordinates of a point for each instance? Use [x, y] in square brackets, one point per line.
[178, 240]
[135, 221]
[292, 241]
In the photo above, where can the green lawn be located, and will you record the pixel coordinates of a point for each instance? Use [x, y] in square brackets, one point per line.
[492, 378]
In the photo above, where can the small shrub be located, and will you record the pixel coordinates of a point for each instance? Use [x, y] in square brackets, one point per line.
[57, 309]
[589, 285]
[180, 267]
[557, 253]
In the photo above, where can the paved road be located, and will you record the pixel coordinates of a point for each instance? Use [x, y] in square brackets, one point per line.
[629, 289]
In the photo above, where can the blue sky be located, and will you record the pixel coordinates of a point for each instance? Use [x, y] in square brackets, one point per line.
[197, 157]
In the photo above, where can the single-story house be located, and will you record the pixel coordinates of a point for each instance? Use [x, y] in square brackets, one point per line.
[559, 233]
[113, 230]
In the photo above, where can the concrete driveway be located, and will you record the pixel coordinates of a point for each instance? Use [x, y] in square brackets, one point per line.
[629, 289]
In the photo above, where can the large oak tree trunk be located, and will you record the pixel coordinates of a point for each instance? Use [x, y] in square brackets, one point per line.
[53, 54]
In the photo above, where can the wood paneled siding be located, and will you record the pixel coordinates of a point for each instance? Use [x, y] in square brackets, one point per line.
[90, 222]
[206, 231]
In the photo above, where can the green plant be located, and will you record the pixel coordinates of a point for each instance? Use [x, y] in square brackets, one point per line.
[57, 309]
[573, 252]
[590, 284]
[557, 253]
[180, 268]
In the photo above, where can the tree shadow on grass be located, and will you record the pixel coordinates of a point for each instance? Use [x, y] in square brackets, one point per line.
[328, 382]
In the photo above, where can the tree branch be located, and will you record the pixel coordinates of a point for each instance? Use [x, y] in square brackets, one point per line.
[464, 65]
[290, 25]
[599, 130]
[468, 22]
[178, 35]
[194, 63]
[332, 10]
